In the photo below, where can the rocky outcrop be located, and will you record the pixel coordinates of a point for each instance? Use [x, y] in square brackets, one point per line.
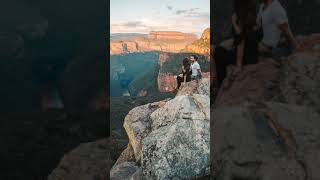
[167, 82]
[156, 41]
[202, 45]
[170, 138]
[86, 162]
[163, 57]
[265, 141]
[265, 119]
[258, 82]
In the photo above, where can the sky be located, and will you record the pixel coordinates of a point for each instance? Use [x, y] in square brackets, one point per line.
[143, 16]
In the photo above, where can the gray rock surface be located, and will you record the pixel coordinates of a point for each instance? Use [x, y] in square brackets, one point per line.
[301, 81]
[170, 139]
[265, 120]
[87, 162]
[124, 171]
[266, 141]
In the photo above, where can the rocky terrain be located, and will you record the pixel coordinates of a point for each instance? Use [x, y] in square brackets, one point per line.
[168, 41]
[265, 119]
[176, 145]
[168, 138]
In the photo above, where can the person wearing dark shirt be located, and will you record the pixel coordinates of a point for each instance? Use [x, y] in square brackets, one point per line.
[246, 36]
[185, 75]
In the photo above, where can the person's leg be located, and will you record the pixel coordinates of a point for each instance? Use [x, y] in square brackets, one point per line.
[222, 58]
[179, 80]
[188, 78]
[280, 52]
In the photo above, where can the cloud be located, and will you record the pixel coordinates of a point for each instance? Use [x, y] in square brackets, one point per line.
[130, 26]
[133, 24]
[186, 11]
[192, 20]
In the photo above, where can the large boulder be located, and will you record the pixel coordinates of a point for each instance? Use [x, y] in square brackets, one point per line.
[265, 119]
[87, 162]
[124, 170]
[265, 141]
[169, 139]
[258, 82]
[301, 81]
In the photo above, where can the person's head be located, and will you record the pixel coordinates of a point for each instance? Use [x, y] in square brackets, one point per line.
[266, 1]
[245, 11]
[185, 62]
[193, 58]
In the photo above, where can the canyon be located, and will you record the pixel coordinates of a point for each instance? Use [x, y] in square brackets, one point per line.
[169, 60]
[165, 41]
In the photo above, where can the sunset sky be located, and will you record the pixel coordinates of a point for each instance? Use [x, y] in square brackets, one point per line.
[143, 16]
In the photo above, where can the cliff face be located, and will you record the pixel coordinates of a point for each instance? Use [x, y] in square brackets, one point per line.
[156, 41]
[152, 136]
[202, 45]
[277, 108]
[167, 35]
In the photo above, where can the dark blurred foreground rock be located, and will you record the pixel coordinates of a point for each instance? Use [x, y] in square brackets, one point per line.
[265, 120]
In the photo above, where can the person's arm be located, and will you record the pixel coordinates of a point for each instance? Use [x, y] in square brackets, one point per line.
[240, 52]
[199, 70]
[235, 25]
[289, 35]
[281, 19]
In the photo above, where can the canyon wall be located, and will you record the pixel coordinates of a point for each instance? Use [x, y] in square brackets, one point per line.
[202, 45]
[174, 35]
[157, 41]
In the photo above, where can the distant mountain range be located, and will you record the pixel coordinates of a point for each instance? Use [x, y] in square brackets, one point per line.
[125, 36]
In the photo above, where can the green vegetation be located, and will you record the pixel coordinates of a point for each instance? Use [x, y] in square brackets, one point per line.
[146, 81]
[127, 70]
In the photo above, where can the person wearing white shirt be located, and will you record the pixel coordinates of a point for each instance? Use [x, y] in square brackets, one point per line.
[273, 19]
[195, 68]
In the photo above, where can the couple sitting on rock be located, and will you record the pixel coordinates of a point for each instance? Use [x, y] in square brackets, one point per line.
[255, 34]
[190, 71]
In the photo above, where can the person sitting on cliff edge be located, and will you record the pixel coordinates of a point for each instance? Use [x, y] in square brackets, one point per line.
[273, 20]
[195, 68]
[185, 75]
[244, 47]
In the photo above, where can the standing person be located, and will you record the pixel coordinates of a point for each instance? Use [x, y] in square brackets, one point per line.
[185, 75]
[195, 68]
[245, 40]
[274, 21]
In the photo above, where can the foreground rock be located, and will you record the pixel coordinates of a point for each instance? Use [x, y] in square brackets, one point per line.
[266, 141]
[170, 138]
[266, 118]
[87, 162]
[259, 82]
